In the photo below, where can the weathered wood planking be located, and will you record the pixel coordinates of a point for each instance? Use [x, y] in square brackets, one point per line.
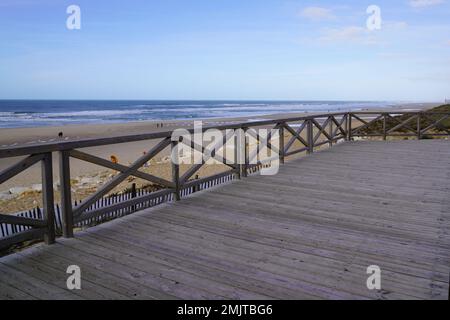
[309, 232]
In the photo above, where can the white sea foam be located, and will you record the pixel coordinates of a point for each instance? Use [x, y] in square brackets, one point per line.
[92, 113]
[41, 114]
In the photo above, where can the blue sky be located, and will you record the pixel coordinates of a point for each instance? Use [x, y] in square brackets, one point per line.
[225, 49]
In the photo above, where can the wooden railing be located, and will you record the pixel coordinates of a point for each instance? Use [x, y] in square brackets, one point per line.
[399, 124]
[40, 228]
[295, 136]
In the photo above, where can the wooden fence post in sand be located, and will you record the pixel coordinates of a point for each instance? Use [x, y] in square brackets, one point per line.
[133, 195]
[196, 188]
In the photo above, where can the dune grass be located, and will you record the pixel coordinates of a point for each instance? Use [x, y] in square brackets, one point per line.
[426, 121]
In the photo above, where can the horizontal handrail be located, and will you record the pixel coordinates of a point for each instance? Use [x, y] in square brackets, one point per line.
[96, 142]
[23, 221]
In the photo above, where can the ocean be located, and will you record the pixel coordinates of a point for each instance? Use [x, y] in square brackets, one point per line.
[36, 113]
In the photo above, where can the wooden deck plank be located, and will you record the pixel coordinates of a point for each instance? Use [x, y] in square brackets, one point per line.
[33, 286]
[233, 241]
[298, 239]
[229, 281]
[261, 232]
[98, 285]
[309, 232]
[297, 267]
[237, 273]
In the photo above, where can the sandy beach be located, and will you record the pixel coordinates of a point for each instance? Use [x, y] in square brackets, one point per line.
[126, 153]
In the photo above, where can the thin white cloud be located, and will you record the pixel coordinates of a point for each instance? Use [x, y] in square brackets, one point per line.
[431, 77]
[317, 14]
[348, 34]
[361, 35]
[17, 3]
[395, 25]
[394, 55]
[424, 3]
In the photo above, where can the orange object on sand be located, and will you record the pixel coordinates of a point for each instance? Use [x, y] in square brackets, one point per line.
[114, 159]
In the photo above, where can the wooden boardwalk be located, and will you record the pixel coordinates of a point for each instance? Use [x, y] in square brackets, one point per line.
[308, 233]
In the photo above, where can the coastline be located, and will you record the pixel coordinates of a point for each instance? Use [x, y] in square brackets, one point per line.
[87, 174]
[30, 135]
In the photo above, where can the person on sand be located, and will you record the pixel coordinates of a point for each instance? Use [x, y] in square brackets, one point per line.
[145, 164]
[114, 159]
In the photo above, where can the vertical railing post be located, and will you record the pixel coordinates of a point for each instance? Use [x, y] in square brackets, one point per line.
[346, 127]
[350, 136]
[330, 131]
[385, 127]
[246, 154]
[419, 126]
[238, 153]
[258, 150]
[66, 194]
[310, 136]
[175, 170]
[281, 142]
[48, 198]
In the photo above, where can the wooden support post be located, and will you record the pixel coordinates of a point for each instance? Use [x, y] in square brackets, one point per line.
[310, 136]
[385, 127]
[48, 198]
[66, 194]
[245, 150]
[350, 136]
[175, 170]
[281, 143]
[330, 132]
[237, 153]
[419, 126]
[346, 127]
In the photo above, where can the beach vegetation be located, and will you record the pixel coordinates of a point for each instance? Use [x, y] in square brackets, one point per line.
[427, 119]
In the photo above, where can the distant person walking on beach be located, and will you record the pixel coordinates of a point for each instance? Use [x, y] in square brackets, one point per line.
[145, 164]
